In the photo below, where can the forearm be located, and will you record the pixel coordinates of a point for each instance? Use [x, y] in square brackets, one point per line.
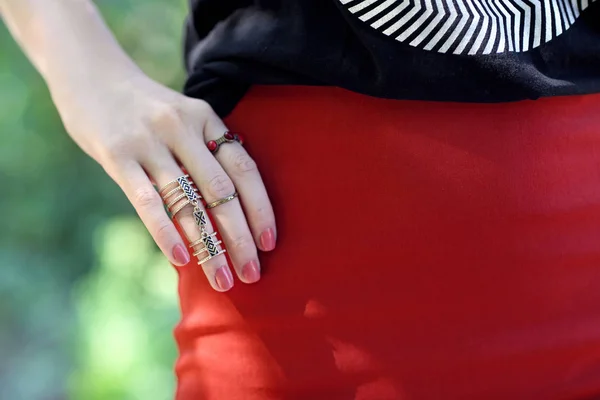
[68, 42]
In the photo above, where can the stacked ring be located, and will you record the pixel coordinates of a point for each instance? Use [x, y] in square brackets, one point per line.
[176, 198]
[208, 245]
[207, 242]
[228, 137]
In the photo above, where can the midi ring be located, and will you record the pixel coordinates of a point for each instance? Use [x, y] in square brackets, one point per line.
[228, 137]
[179, 193]
[222, 201]
[209, 245]
[207, 242]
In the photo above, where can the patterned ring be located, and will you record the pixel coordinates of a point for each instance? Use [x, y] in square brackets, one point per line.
[205, 250]
[228, 137]
[209, 245]
[205, 259]
[180, 207]
[167, 185]
[179, 193]
[221, 201]
[176, 199]
[171, 192]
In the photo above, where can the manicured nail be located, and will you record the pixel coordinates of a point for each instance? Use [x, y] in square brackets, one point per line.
[251, 272]
[267, 240]
[224, 278]
[181, 255]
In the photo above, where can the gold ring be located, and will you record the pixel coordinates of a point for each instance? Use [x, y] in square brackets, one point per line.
[166, 185]
[209, 245]
[179, 193]
[222, 201]
[175, 200]
[205, 250]
[180, 207]
[205, 259]
[170, 193]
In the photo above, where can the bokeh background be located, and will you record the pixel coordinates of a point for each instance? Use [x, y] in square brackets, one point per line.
[87, 303]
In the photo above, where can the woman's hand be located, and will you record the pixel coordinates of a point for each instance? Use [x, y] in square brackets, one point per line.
[141, 131]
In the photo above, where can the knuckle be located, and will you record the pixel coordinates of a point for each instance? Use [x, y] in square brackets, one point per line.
[186, 212]
[203, 107]
[263, 213]
[124, 146]
[163, 230]
[196, 111]
[197, 106]
[243, 163]
[114, 150]
[145, 198]
[241, 243]
[261, 216]
[117, 170]
[220, 186]
[165, 118]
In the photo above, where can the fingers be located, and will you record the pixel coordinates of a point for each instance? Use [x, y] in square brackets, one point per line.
[238, 240]
[153, 153]
[165, 170]
[148, 204]
[244, 173]
[214, 184]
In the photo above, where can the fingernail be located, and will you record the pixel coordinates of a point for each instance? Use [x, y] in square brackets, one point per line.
[181, 255]
[267, 240]
[224, 278]
[251, 272]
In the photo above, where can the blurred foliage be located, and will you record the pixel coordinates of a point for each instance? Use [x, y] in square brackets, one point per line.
[87, 303]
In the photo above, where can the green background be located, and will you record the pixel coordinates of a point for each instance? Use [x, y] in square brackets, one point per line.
[87, 303]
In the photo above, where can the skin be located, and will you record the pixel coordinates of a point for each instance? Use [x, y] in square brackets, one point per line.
[137, 128]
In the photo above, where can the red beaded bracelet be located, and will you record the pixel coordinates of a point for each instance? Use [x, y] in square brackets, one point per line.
[228, 137]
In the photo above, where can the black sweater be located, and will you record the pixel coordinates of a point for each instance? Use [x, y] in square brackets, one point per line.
[443, 50]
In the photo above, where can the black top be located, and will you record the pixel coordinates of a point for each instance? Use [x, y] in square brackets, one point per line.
[447, 50]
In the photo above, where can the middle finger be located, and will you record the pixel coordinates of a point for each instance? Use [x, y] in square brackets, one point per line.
[164, 170]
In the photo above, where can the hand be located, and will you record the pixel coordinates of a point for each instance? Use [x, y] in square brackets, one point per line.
[137, 129]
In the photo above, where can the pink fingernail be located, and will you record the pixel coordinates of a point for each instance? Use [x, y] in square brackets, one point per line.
[224, 278]
[250, 272]
[267, 240]
[181, 255]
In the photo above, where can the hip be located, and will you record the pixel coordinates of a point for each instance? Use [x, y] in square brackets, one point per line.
[425, 250]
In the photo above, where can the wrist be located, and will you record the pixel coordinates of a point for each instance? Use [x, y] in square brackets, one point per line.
[68, 87]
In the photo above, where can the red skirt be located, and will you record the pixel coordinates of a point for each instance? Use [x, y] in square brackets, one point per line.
[425, 251]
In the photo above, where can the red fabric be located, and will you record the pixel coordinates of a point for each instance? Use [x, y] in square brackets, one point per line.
[425, 251]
